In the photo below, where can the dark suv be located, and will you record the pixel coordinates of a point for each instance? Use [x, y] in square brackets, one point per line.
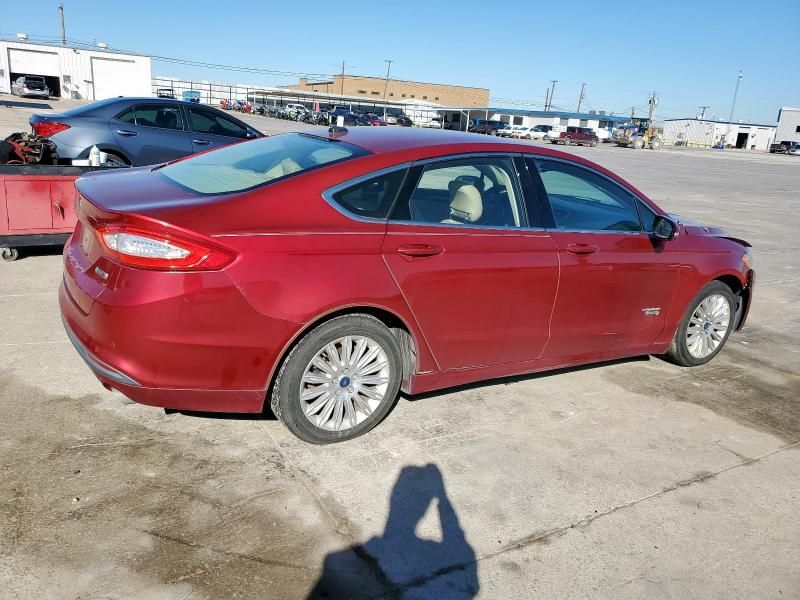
[577, 135]
[487, 127]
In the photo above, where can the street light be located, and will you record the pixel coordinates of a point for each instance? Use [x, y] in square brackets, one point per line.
[733, 104]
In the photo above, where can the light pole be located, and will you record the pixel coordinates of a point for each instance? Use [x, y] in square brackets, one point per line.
[552, 90]
[386, 84]
[733, 104]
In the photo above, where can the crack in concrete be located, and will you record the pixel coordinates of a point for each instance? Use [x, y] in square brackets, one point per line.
[586, 521]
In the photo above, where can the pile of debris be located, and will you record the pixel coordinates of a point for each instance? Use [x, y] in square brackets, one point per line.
[27, 149]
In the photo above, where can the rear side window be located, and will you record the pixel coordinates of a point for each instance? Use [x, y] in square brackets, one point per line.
[162, 116]
[372, 198]
[252, 164]
[582, 200]
[207, 121]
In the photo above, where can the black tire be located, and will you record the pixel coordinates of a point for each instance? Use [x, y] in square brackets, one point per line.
[593, 143]
[285, 401]
[116, 160]
[678, 352]
[10, 254]
[567, 141]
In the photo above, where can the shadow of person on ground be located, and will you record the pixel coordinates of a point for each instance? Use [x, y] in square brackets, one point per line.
[398, 564]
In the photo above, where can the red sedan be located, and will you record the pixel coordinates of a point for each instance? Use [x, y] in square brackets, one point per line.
[324, 272]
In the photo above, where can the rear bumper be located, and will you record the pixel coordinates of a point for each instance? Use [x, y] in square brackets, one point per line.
[175, 342]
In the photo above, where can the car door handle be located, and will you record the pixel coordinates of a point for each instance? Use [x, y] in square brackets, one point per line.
[201, 142]
[127, 133]
[420, 250]
[582, 248]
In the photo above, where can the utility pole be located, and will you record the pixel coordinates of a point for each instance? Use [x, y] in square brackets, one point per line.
[703, 111]
[733, 104]
[553, 83]
[386, 84]
[651, 101]
[546, 97]
[341, 91]
[580, 97]
[632, 109]
[63, 30]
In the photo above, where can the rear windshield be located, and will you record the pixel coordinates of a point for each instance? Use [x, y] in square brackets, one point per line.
[248, 165]
[34, 83]
[79, 110]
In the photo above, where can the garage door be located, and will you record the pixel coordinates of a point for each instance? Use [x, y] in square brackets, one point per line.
[113, 78]
[33, 62]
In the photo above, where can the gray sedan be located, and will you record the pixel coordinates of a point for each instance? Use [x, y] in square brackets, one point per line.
[140, 131]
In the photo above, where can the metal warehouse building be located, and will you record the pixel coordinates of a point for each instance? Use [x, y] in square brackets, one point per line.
[75, 73]
[706, 133]
[788, 129]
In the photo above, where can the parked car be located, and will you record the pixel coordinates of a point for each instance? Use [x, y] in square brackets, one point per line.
[794, 150]
[140, 131]
[415, 259]
[191, 96]
[350, 118]
[30, 86]
[404, 121]
[535, 132]
[165, 93]
[487, 127]
[375, 120]
[584, 136]
[296, 108]
[391, 119]
[783, 147]
[510, 131]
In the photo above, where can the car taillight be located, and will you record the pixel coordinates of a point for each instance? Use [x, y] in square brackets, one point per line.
[138, 247]
[46, 129]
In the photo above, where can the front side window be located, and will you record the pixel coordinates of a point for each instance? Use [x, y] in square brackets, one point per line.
[372, 198]
[582, 200]
[207, 121]
[163, 116]
[248, 165]
[478, 192]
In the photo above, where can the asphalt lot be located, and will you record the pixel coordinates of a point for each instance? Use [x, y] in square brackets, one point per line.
[636, 479]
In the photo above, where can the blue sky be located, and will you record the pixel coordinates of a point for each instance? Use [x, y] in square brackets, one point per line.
[688, 52]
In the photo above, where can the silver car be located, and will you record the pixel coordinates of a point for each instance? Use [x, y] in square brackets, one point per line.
[140, 131]
[30, 86]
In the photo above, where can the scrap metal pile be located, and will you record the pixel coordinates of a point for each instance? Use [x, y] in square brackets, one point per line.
[27, 149]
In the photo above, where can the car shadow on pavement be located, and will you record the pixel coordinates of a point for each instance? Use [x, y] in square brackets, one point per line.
[23, 104]
[398, 563]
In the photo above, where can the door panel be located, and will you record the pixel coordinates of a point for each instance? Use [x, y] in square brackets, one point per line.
[479, 282]
[616, 280]
[62, 194]
[613, 297]
[212, 130]
[28, 204]
[152, 134]
[480, 297]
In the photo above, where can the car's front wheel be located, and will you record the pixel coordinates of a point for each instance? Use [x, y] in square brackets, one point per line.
[705, 327]
[339, 381]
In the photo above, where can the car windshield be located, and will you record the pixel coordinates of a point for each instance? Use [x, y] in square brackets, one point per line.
[248, 165]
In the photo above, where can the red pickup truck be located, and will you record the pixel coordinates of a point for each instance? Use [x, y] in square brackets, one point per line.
[584, 136]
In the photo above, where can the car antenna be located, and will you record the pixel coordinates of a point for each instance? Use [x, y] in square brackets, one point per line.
[336, 132]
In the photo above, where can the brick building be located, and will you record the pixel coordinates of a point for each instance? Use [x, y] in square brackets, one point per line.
[397, 90]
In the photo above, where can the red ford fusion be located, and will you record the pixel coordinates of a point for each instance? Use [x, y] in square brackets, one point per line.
[321, 273]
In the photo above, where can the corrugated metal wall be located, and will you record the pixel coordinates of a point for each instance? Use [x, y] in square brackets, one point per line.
[788, 125]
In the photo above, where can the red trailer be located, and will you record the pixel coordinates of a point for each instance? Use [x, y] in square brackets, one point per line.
[37, 205]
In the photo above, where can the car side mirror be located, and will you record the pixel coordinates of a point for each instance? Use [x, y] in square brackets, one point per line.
[251, 135]
[664, 228]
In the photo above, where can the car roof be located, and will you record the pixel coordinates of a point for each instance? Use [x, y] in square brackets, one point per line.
[391, 139]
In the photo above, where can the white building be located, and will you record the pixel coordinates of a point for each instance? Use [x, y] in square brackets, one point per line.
[75, 72]
[706, 133]
[788, 125]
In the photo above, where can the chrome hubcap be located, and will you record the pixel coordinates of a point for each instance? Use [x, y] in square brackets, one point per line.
[344, 383]
[708, 326]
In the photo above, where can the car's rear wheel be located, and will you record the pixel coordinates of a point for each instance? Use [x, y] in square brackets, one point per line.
[705, 327]
[339, 381]
[593, 143]
[567, 141]
[116, 160]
